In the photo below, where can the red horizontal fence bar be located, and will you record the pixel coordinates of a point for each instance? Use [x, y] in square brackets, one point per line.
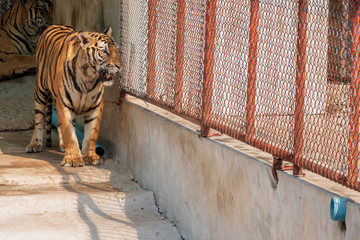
[354, 97]
[251, 81]
[207, 92]
[300, 86]
[179, 67]
[151, 49]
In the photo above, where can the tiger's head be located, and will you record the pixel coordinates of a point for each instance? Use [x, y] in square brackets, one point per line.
[102, 54]
[39, 13]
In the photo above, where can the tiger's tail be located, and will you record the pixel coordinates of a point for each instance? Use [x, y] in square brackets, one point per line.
[48, 121]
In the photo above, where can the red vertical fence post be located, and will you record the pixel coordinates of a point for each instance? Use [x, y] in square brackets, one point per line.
[300, 86]
[251, 81]
[354, 97]
[179, 67]
[151, 49]
[210, 29]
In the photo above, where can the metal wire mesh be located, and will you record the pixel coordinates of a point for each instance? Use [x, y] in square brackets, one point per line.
[276, 73]
[325, 140]
[280, 75]
[230, 66]
[133, 48]
[194, 30]
[165, 50]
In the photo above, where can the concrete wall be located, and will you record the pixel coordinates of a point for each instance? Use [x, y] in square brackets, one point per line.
[89, 15]
[212, 190]
[17, 103]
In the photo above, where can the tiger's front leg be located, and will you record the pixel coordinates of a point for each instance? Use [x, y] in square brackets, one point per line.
[91, 132]
[72, 156]
[36, 143]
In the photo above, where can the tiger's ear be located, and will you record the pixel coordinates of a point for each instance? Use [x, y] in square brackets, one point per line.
[84, 39]
[108, 31]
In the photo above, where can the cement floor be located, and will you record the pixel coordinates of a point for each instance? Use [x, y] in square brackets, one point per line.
[39, 199]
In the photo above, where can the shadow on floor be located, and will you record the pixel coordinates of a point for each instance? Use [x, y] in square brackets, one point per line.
[90, 206]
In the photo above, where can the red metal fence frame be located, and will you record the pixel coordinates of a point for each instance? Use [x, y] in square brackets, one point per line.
[210, 29]
[300, 85]
[251, 84]
[206, 122]
[151, 50]
[354, 98]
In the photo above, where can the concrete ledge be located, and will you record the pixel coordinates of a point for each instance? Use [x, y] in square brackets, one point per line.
[219, 188]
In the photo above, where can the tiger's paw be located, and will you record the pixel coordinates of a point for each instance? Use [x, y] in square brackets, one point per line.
[92, 159]
[62, 148]
[33, 148]
[69, 161]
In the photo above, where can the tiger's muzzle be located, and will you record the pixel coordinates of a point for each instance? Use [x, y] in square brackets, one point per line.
[107, 75]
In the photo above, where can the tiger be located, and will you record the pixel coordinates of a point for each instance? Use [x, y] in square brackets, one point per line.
[73, 68]
[20, 29]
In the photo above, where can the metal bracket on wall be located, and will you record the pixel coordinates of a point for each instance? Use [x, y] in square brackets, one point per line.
[206, 132]
[278, 165]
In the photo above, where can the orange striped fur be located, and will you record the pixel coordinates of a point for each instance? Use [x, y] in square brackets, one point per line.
[20, 28]
[73, 68]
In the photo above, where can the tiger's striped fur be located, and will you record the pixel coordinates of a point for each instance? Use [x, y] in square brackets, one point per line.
[20, 28]
[73, 68]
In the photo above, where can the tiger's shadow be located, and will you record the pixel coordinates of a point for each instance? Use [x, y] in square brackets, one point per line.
[74, 180]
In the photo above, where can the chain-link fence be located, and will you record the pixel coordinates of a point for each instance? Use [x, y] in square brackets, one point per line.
[280, 75]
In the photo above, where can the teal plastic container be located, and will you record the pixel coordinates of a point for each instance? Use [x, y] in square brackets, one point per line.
[338, 209]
